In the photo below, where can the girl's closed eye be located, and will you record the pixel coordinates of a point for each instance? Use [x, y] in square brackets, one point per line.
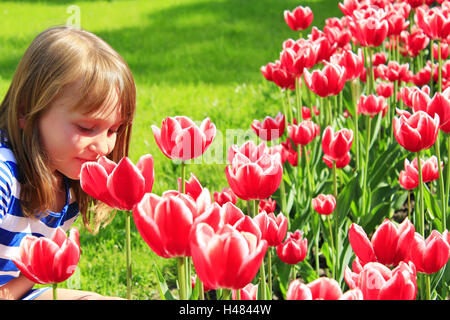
[85, 129]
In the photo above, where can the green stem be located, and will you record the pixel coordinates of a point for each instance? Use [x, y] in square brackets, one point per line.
[441, 184]
[262, 282]
[182, 278]
[440, 67]
[269, 271]
[283, 200]
[226, 294]
[333, 252]
[422, 214]
[55, 290]
[365, 196]
[299, 99]
[128, 253]
[409, 205]
[447, 191]
[290, 106]
[371, 74]
[355, 94]
[432, 63]
[428, 287]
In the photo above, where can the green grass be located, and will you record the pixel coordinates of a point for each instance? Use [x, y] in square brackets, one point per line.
[198, 58]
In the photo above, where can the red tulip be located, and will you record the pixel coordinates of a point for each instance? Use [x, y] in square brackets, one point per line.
[440, 105]
[180, 138]
[270, 128]
[193, 188]
[49, 260]
[416, 132]
[396, 23]
[249, 292]
[336, 145]
[353, 63]
[324, 204]
[409, 178]
[120, 186]
[385, 89]
[372, 105]
[299, 19]
[252, 177]
[433, 22]
[429, 255]
[165, 222]
[303, 133]
[378, 282]
[226, 195]
[385, 246]
[226, 258]
[445, 50]
[320, 289]
[395, 71]
[292, 154]
[267, 205]
[326, 82]
[339, 163]
[417, 41]
[273, 229]
[267, 70]
[298, 55]
[369, 27]
[293, 250]
[415, 96]
[306, 112]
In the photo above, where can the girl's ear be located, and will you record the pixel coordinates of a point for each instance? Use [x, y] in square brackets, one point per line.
[21, 116]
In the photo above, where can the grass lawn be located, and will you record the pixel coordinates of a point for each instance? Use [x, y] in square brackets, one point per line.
[198, 58]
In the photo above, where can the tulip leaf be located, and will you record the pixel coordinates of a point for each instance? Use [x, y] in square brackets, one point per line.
[350, 192]
[432, 207]
[164, 291]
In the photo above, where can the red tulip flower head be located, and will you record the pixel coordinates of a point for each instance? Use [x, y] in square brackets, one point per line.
[339, 163]
[303, 133]
[294, 249]
[353, 63]
[369, 27]
[254, 173]
[372, 105]
[226, 258]
[416, 132]
[336, 145]
[326, 82]
[180, 138]
[387, 245]
[120, 185]
[430, 255]
[44, 261]
[320, 289]
[268, 205]
[273, 229]
[270, 128]
[440, 105]
[324, 204]
[226, 195]
[378, 282]
[433, 22]
[299, 19]
[165, 222]
[249, 292]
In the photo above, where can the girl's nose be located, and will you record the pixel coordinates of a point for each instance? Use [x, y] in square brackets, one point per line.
[102, 144]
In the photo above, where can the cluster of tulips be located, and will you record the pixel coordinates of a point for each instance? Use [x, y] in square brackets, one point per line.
[339, 163]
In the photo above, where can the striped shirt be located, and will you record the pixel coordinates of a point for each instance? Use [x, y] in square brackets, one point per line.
[14, 225]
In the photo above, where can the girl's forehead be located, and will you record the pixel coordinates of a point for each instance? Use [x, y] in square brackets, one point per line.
[104, 104]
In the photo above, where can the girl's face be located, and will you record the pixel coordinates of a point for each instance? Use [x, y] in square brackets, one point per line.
[72, 138]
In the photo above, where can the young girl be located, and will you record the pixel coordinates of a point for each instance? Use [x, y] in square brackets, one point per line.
[72, 99]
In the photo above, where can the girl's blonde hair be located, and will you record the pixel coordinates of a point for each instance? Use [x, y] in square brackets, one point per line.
[58, 57]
